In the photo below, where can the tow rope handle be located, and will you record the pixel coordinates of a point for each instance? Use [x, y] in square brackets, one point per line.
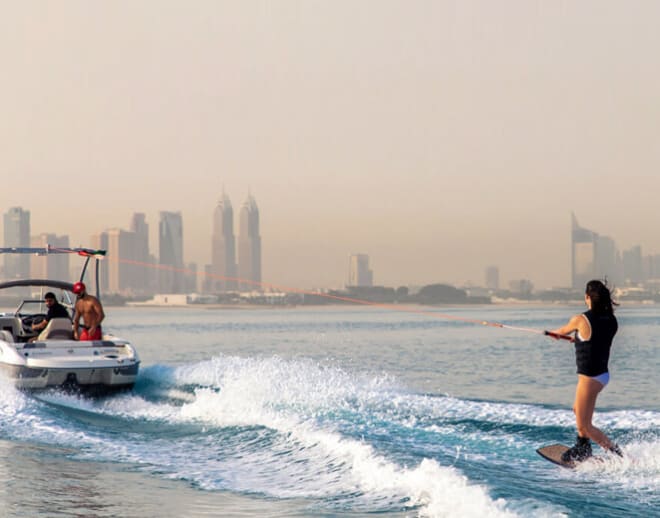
[558, 336]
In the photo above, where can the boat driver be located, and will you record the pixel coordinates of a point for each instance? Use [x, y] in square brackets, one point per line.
[89, 308]
[55, 310]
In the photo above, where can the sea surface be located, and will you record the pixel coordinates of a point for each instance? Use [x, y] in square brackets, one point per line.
[339, 411]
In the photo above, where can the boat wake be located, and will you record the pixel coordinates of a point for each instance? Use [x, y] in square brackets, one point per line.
[346, 441]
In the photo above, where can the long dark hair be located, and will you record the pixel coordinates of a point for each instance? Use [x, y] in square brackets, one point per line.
[601, 298]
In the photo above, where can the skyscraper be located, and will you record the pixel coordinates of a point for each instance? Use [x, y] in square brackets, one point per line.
[223, 247]
[249, 245]
[17, 235]
[359, 273]
[140, 271]
[583, 255]
[592, 257]
[121, 245]
[170, 252]
[127, 268]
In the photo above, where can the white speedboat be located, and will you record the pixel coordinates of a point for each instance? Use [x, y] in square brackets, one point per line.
[51, 357]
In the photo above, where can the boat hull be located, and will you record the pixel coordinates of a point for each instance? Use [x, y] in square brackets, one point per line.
[111, 377]
[108, 363]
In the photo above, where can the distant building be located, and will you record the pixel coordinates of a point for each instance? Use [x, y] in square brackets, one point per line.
[55, 266]
[651, 265]
[141, 268]
[170, 299]
[521, 286]
[223, 247]
[493, 278]
[170, 253]
[17, 235]
[608, 260]
[190, 278]
[121, 272]
[592, 257]
[359, 273]
[583, 254]
[127, 268]
[633, 266]
[249, 245]
[207, 279]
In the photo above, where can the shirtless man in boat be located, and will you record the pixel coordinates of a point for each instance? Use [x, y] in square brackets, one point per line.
[89, 308]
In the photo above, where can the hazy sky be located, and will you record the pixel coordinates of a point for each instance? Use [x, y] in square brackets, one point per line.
[439, 137]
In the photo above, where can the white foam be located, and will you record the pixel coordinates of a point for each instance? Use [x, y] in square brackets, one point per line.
[637, 472]
[354, 466]
[305, 460]
[12, 401]
[287, 396]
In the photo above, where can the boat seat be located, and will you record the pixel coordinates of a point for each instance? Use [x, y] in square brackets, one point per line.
[6, 336]
[57, 329]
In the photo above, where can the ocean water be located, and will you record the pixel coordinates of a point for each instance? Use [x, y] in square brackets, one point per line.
[338, 411]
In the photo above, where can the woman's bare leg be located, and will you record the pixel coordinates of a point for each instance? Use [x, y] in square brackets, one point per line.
[586, 392]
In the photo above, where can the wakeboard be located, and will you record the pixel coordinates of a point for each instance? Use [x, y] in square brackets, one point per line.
[553, 453]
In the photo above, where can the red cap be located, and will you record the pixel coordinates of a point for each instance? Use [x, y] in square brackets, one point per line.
[79, 288]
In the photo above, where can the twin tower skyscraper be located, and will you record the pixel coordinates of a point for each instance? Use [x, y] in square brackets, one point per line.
[226, 272]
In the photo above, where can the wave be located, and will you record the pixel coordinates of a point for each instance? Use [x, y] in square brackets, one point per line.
[350, 441]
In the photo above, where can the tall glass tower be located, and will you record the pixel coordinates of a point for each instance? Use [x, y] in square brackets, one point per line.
[249, 245]
[583, 255]
[592, 257]
[223, 247]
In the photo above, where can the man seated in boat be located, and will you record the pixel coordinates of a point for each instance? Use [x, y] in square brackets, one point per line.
[89, 308]
[55, 310]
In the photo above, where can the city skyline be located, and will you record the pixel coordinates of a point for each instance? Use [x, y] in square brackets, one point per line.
[437, 137]
[592, 256]
[132, 268]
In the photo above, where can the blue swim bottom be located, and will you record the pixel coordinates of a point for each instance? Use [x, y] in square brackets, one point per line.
[603, 378]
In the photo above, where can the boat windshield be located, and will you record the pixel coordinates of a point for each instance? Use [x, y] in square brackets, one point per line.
[38, 305]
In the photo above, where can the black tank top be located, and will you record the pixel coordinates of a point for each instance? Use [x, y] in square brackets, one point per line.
[593, 355]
